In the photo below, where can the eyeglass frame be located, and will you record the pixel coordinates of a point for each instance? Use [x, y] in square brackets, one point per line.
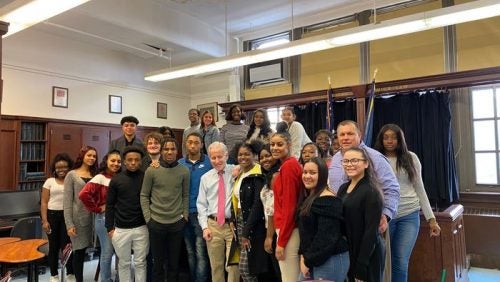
[354, 161]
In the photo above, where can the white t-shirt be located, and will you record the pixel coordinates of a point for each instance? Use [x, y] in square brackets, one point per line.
[56, 194]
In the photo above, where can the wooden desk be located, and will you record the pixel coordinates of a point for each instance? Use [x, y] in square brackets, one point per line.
[25, 251]
[7, 240]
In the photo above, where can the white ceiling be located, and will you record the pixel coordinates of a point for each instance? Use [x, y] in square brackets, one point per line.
[191, 29]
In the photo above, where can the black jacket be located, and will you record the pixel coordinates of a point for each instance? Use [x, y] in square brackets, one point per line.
[254, 222]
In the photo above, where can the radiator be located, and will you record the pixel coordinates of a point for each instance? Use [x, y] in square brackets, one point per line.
[481, 236]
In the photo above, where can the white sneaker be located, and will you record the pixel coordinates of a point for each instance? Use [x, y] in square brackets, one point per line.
[70, 278]
[54, 278]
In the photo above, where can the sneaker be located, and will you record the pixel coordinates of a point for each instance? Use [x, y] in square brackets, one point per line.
[54, 278]
[70, 278]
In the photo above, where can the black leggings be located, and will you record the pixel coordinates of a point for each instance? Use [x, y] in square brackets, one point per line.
[78, 259]
[58, 239]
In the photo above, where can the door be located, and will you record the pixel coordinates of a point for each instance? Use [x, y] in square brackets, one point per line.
[64, 138]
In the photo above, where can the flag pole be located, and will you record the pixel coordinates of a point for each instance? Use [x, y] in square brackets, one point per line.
[367, 138]
[329, 105]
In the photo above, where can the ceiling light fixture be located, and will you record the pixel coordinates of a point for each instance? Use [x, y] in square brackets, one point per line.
[36, 11]
[480, 9]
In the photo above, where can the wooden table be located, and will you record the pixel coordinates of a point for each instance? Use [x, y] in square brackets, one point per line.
[25, 251]
[7, 240]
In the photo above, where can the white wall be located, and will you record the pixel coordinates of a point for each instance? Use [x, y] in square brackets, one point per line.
[34, 61]
[212, 88]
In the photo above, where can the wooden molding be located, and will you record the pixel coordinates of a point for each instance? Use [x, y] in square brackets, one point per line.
[76, 122]
[440, 81]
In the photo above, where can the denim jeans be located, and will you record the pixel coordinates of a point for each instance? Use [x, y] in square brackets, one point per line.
[404, 232]
[106, 248]
[334, 269]
[196, 249]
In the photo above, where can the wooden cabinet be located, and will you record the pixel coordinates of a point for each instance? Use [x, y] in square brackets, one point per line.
[8, 149]
[98, 138]
[443, 255]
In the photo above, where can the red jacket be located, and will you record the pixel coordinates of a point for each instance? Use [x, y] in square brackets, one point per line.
[94, 193]
[287, 186]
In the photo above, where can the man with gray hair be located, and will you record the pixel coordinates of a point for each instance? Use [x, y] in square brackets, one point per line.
[214, 212]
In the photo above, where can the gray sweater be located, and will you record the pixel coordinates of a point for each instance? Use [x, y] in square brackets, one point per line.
[165, 194]
[75, 214]
[231, 134]
[412, 195]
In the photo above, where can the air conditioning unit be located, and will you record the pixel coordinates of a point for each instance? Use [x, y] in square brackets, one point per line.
[266, 73]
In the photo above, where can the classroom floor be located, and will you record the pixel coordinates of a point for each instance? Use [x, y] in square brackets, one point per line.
[88, 273]
[483, 275]
[475, 274]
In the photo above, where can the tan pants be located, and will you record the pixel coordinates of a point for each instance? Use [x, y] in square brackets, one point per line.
[218, 250]
[388, 262]
[290, 266]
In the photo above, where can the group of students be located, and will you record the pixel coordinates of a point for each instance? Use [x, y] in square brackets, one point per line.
[257, 204]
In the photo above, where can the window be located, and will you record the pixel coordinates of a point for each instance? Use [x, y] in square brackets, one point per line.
[486, 134]
[274, 115]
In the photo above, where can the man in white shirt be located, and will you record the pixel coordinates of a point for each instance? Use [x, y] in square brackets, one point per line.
[215, 222]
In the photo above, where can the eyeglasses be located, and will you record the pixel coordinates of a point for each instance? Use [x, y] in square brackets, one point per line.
[346, 162]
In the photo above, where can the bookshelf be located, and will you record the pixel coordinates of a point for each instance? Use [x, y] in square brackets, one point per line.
[32, 152]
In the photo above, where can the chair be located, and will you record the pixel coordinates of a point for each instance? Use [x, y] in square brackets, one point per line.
[30, 228]
[66, 253]
[27, 228]
[6, 278]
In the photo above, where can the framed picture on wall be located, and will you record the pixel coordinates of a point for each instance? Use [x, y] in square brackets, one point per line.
[161, 110]
[59, 97]
[115, 104]
[211, 107]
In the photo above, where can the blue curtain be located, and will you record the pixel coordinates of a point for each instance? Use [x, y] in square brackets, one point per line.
[425, 118]
[313, 115]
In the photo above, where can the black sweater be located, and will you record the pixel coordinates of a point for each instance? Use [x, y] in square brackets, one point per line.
[362, 212]
[123, 206]
[321, 231]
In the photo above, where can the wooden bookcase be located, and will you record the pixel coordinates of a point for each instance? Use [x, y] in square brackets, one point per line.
[32, 155]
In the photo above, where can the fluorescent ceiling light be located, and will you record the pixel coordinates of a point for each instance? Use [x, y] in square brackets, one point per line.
[457, 14]
[36, 11]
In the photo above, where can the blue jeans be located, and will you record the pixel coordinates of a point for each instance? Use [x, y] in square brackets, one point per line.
[404, 232]
[334, 269]
[197, 250]
[106, 248]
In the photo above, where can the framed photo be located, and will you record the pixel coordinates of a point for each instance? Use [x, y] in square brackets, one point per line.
[59, 97]
[161, 110]
[211, 107]
[115, 104]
